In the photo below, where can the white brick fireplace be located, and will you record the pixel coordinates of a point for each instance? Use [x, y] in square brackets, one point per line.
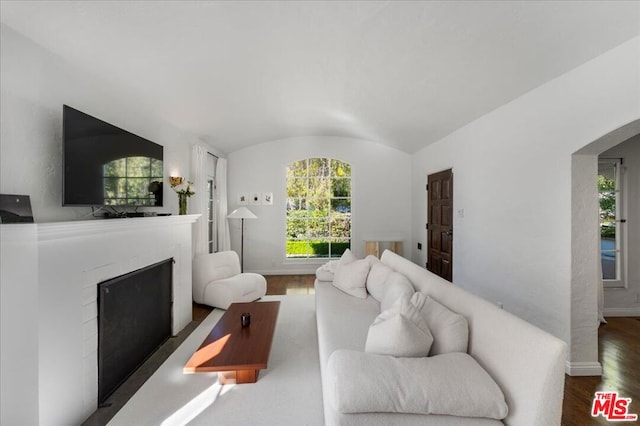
[72, 258]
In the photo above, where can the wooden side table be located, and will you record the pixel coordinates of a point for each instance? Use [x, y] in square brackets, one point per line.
[377, 247]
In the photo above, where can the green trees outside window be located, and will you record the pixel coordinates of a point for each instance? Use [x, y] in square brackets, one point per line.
[607, 196]
[611, 235]
[318, 208]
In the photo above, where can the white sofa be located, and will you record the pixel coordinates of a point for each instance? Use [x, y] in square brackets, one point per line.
[218, 282]
[525, 362]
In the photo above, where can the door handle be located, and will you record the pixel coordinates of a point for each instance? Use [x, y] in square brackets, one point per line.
[450, 232]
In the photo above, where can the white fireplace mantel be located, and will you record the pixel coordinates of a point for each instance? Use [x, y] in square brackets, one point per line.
[70, 259]
[85, 228]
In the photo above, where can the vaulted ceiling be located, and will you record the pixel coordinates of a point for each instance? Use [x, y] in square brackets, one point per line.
[404, 74]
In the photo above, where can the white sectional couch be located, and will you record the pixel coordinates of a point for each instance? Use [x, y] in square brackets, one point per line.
[526, 363]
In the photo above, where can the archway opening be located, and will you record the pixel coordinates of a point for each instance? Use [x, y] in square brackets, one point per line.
[585, 252]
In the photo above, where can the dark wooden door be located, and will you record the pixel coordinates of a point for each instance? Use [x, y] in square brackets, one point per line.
[440, 224]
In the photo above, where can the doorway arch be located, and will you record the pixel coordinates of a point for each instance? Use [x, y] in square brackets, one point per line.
[583, 347]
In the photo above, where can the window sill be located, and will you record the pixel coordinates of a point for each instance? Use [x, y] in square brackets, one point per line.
[614, 284]
[307, 261]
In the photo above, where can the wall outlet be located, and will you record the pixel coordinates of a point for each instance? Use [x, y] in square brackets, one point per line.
[419, 246]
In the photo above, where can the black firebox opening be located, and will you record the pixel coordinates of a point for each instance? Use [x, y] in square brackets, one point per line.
[134, 320]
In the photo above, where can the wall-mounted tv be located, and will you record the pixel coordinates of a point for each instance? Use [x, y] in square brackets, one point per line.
[104, 165]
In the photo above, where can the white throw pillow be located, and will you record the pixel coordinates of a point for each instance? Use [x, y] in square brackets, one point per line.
[451, 384]
[347, 257]
[450, 330]
[397, 285]
[376, 280]
[352, 277]
[386, 285]
[399, 331]
[326, 272]
[372, 260]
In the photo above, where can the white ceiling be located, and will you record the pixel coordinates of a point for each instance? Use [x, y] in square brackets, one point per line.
[400, 73]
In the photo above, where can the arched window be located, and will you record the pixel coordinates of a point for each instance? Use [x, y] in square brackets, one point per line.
[318, 208]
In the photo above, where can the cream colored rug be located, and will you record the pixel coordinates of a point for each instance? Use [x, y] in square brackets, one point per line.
[287, 393]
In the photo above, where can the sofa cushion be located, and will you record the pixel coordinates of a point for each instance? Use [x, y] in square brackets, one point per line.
[326, 271]
[399, 331]
[450, 384]
[376, 280]
[343, 320]
[352, 277]
[397, 285]
[372, 259]
[347, 257]
[450, 330]
[386, 285]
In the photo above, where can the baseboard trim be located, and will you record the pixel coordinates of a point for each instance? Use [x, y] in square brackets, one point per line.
[621, 312]
[583, 368]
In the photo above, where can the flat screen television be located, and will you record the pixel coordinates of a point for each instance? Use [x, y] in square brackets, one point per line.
[104, 165]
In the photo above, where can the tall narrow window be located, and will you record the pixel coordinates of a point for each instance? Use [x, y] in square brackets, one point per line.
[212, 234]
[611, 221]
[318, 208]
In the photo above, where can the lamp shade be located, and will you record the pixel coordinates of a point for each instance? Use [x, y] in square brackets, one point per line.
[242, 213]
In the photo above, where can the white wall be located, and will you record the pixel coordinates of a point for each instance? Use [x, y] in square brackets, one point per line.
[512, 178]
[584, 264]
[626, 301]
[380, 195]
[34, 85]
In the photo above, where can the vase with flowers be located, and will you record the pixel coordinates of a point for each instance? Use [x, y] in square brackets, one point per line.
[184, 189]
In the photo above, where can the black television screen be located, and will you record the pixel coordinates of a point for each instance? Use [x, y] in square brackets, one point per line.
[104, 165]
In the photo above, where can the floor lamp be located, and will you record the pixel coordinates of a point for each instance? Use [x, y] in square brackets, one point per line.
[242, 213]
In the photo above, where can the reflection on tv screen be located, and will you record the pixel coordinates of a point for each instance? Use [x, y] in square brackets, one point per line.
[133, 181]
[105, 165]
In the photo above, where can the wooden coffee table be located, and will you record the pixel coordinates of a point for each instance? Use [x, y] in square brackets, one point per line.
[237, 352]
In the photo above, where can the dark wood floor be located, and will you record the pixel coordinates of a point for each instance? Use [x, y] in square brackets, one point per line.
[290, 284]
[619, 348]
[276, 285]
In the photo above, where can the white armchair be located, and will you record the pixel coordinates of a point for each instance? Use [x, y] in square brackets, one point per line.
[218, 282]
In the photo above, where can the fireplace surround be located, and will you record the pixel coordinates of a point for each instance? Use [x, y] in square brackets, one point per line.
[69, 260]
